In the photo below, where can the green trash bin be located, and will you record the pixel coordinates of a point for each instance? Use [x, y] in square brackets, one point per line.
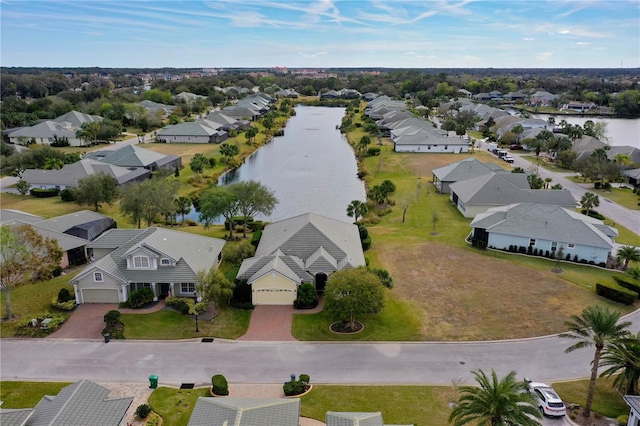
[153, 381]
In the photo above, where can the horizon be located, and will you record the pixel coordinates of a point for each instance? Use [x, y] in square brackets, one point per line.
[325, 34]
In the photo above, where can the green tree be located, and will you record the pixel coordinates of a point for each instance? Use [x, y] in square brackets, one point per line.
[95, 190]
[183, 206]
[495, 402]
[214, 286]
[597, 327]
[363, 143]
[356, 209]
[588, 201]
[353, 292]
[388, 188]
[623, 359]
[229, 151]
[25, 255]
[253, 198]
[218, 201]
[53, 164]
[131, 204]
[23, 187]
[517, 130]
[377, 194]
[89, 131]
[628, 254]
[148, 199]
[251, 133]
[197, 164]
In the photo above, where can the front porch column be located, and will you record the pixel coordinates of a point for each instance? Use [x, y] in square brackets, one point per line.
[124, 291]
[75, 290]
[171, 291]
[155, 292]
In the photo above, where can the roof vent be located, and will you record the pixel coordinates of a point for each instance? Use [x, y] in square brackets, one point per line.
[210, 248]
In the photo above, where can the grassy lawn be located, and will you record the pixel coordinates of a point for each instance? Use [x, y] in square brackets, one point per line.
[175, 405]
[27, 394]
[549, 166]
[606, 401]
[230, 323]
[623, 196]
[30, 299]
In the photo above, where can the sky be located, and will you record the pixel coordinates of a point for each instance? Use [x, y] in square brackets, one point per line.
[321, 33]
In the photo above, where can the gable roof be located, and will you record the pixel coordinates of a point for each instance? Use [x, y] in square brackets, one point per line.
[245, 412]
[548, 222]
[291, 267]
[47, 129]
[507, 188]
[77, 119]
[465, 169]
[191, 252]
[302, 235]
[130, 156]
[15, 417]
[8, 215]
[633, 401]
[353, 419]
[70, 174]
[81, 403]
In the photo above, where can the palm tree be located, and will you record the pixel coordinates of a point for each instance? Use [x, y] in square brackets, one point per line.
[356, 209]
[183, 206]
[623, 359]
[495, 402]
[517, 130]
[597, 327]
[588, 201]
[628, 254]
[53, 164]
[624, 160]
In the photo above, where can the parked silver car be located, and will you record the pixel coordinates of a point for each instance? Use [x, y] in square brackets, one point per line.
[547, 399]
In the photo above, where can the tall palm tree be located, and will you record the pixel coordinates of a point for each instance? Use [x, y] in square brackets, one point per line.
[597, 327]
[623, 359]
[628, 254]
[495, 402]
[183, 206]
[624, 160]
[588, 201]
[356, 209]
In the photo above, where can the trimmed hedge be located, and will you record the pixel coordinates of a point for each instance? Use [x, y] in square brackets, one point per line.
[139, 298]
[219, 385]
[616, 293]
[44, 193]
[594, 214]
[255, 240]
[628, 283]
[68, 305]
[180, 304]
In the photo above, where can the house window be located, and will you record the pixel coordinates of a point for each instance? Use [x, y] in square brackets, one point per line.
[165, 262]
[140, 286]
[554, 246]
[140, 262]
[571, 246]
[532, 242]
[98, 277]
[187, 287]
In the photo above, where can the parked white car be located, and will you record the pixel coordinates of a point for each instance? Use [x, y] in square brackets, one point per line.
[508, 158]
[547, 399]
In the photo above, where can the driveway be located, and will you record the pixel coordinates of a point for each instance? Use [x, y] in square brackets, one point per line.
[86, 322]
[273, 323]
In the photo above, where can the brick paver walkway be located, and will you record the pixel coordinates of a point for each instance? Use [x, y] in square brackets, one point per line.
[273, 323]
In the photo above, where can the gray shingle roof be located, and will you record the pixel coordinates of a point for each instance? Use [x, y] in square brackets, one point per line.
[66, 242]
[633, 402]
[465, 169]
[77, 118]
[70, 174]
[16, 417]
[548, 222]
[245, 412]
[129, 156]
[82, 403]
[291, 267]
[191, 252]
[8, 215]
[353, 419]
[68, 221]
[507, 188]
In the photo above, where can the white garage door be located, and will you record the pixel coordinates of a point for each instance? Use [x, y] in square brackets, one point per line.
[100, 296]
[273, 296]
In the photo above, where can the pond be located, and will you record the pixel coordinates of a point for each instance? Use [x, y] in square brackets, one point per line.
[312, 168]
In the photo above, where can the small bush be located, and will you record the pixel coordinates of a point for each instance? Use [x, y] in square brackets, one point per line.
[547, 254]
[304, 378]
[622, 420]
[44, 193]
[56, 271]
[64, 295]
[535, 252]
[616, 293]
[219, 385]
[143, 411]
[248, 306]
[236, 253]
[633, 285]
[139, 298]
[634, 273]
[68, 305]
[255, 240]
[294, 387]
[307, 297]
[67, 194]
[385, 277]
[522, 249]
[594, 214]
[180, 304]
[25, 329]
[112, 317]
[373, 150]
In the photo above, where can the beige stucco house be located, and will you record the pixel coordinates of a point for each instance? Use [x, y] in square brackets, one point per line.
[306, 248]
[163, 260]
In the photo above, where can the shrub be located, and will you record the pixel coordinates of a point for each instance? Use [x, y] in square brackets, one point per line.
[622, 420]
[627, 283]
[294, 387]
[25, 329]
[307, 297]
[180, 304]
[568, 257]
[219, 385]
[234, 254]
[64, 295]
[634, 273]
[373, 150]
[237, 220]
[616, 293]
[67, 194]
[575, 258]
[67, 305]
[255, 240]
[56, 271]
[512, 248]
[547, 254]
[241, 305]
[594, 214]
[241, 293]
[139, 298]
[535, 252]
[530, 250]
[44, 193]
[522, 249]
[304, 378]
[256, 225]
[143, 411]
[606, 186]
[385, 277]
[112, 317]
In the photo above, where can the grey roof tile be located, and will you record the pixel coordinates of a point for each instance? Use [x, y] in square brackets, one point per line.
[245, 412]
[334, 418]
[17, 417]
[465, 169]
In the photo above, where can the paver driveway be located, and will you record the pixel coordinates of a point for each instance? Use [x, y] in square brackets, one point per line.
[86, 322]
[273, 323]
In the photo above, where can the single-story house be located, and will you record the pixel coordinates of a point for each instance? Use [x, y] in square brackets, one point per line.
[306, 248]
[64, 126]
[477, 195]
[227, 122]
[199, 131]
[70, 174]
[286, 93]
[334, 418]
[242, 113]
[245, 412]
[633, 401]
[542, 98]
[156, 108]
[73, 231]
[545, 227]
[331, 94]
[162, 260]
[633, 176]
[133, 156]
[461, 170]
[425, 139]
[81, 403]
[188, 97]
